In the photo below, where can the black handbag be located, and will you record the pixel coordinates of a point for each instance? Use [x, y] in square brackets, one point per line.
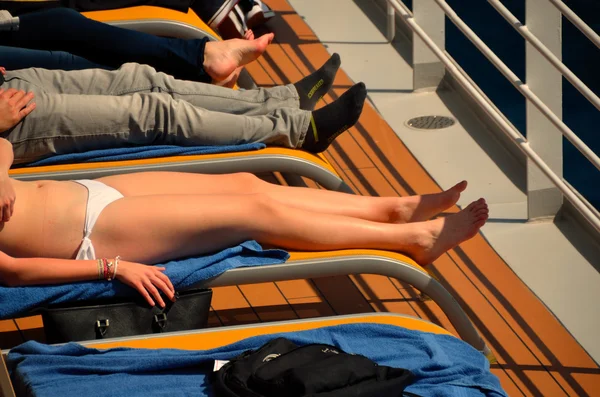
[88, 320]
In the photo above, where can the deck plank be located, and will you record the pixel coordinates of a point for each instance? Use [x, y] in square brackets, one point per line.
[268, 302]
[231, 307]
[305, 298]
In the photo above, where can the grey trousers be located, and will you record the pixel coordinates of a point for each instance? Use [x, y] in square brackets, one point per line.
[135, 105]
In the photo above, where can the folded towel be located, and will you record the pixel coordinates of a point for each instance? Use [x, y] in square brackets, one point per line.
[183, 273]
[444, 366]
[142, 152]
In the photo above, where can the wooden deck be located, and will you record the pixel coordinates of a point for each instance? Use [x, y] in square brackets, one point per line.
[536, 355]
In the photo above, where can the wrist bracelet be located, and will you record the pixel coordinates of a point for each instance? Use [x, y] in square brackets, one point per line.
[109, 270]
[105, 267]
[100, 269]
[117, 259]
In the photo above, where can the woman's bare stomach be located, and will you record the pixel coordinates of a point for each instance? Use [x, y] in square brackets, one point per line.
[48, 220]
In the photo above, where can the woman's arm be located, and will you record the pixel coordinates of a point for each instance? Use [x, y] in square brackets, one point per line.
[6, 156]
[7, 192]
[34, 271]
[14, 106]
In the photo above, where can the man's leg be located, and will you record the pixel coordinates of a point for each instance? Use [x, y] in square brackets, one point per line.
[64, 29]
[133, 78]
[76, 123]
[13, 58]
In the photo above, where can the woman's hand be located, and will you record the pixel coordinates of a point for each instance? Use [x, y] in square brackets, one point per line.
[7, 197]
[146, 279]
[14, 106]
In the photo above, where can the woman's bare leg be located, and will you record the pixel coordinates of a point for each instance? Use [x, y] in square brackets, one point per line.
[151, 229]
[376, 209]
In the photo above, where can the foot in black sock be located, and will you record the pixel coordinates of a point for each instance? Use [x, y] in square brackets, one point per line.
[331, 120]
[313, 87]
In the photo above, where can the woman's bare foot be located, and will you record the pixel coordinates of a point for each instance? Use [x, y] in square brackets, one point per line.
[221, 58]
[423, 208]
[438, 236]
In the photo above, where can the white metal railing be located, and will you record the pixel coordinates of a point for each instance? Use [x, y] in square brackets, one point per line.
[589, 214]
[519, 85]
[575, 20]
[530, 37]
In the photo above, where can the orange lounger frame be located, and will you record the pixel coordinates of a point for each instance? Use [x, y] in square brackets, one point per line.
[156, 20]
[293, 164]
[222, 336]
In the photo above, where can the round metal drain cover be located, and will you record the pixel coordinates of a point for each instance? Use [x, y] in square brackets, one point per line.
[430, 122]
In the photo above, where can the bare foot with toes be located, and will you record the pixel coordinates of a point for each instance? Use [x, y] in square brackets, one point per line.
[440, 235]
[425, 207]
[222, 58]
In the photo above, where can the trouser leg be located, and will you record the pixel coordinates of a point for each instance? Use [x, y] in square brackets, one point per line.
[64, 123]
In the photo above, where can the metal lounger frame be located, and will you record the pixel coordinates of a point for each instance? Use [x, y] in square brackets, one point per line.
[292, 166]
[376, 263]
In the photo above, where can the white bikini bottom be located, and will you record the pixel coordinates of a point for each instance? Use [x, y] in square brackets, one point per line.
[99, 196]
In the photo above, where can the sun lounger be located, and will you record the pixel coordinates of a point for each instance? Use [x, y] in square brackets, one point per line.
[293, 164]
[156, 20]
[438, 360]
[290, 162]
[302, 265]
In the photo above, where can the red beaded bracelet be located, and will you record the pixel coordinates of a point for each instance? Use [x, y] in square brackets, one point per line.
[105, 263]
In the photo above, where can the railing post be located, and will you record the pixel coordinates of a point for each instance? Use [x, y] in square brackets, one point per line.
[545, 22]
[428, 70]
[391, 22]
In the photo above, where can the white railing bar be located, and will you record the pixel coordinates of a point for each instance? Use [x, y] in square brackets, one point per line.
[534, 41]
[520, 86]
[578, 22]
[508, 129]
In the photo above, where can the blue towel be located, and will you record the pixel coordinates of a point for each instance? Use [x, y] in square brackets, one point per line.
[444, 365]
[183, 273]
[142, 152]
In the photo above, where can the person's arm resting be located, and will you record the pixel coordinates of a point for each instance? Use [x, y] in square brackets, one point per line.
[30, 271]
[147, 280]
[6, 156]
[7, 191]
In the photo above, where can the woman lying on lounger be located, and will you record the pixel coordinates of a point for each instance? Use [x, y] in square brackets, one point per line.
[153, 217]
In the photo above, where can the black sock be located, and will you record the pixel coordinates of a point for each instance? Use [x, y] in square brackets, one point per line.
[331, 120]
[314, 86]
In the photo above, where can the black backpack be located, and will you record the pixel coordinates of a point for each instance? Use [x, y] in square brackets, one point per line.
[281, 368]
